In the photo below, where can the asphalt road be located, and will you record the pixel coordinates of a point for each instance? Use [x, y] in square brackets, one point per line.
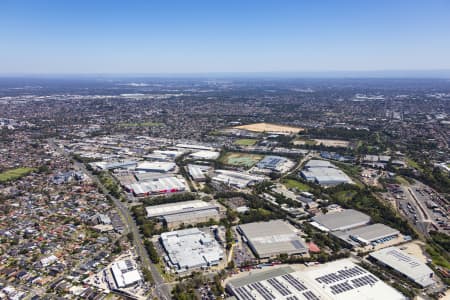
[161, 290]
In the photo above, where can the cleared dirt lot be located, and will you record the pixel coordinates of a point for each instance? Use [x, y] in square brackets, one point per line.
[267, 127]
[332, 143]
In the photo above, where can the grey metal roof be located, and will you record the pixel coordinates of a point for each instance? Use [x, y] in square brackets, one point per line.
[191, 215]
[260, 276]
[273, 237]
[345, 219]
[369, 233]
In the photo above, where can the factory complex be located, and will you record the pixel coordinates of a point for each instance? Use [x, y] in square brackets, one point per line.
[324, 173]
[191, 249]
[236, 179]
[160, 185]
[272, 163]
[338, 280]
[367, 235]
[354, 228]
[269, 239]
[404, 264]
[187, 213]
[198, 172]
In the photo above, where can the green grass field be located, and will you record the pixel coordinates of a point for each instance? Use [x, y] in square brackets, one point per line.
[291, 183]
[411, 163]
[345, 195]
[245, 142]
[15, 174]
[144, 124]
[240, 159]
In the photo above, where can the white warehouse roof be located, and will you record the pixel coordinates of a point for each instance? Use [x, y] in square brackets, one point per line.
[156, 166]
[405, 264]
[177, 207]
[191, 249]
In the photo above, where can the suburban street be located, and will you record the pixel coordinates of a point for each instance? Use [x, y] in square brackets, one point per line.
[161, 289]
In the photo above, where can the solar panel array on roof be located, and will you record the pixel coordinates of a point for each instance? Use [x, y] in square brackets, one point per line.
[243, 293]
[294, 282]
[279, 287]
[267, 295]
[341, 287]
[310, 295]
[365, 280]
[340, 275]
[332, 281]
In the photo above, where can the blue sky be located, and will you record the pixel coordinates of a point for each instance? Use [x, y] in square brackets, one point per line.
[130, 36]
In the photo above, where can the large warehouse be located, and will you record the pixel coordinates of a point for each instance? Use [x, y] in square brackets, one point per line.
[236, 179]
[324, 173]
[366, 235]
[187, 212]
[405, 264]
[198, 172]
[191, 249]
[269, 239]
[338, 280]
[156, 166]
[342, 220]
[161, 185]
[275, 164]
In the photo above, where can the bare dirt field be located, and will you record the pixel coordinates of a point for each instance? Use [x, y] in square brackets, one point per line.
[267, 127]
[332, 143]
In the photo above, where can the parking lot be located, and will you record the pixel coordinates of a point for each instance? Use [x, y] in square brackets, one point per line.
[424, 207]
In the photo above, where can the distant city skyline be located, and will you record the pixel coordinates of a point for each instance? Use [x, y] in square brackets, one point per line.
[243, 37]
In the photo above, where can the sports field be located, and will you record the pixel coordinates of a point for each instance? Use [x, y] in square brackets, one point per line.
[267, 127]
[240, 159]
[245, 142]
[291, 183]
[14, 174]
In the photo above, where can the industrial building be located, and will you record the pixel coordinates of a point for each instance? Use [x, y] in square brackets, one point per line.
[342, 220]
[236, 179]
[161, 185]
[336, 280]
[163, 155]
[156, 166]
[187, 213]
[367, 235]
[198, 172]
[125, 273]
[324, 173]
[275, 164]
[269, 239]
[194, 147]
[404, 264]
[105, 165]
[191, 249]
[204, 155]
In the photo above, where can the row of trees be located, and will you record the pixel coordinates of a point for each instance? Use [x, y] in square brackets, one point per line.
[151, 250]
